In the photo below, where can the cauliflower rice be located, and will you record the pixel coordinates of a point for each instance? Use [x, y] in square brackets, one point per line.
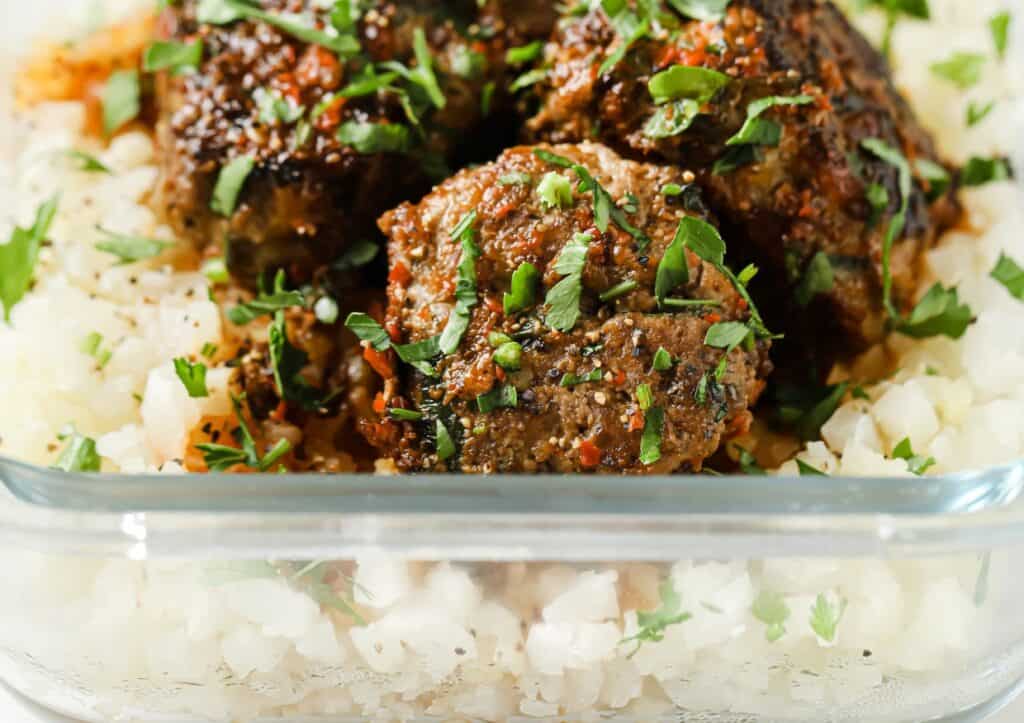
[240, 640]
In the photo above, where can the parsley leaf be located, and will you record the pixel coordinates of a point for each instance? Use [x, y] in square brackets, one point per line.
[571, 380]
[977, 112]
[673, 269]
[120, 99]
[367, 137]
[523, 54]
[627, 41]
[222, 12]
[672, 119]
[980, 171]
[650, 440]
[771, 609]
[367, 329]
[445, 444]
[757, 130]
[266, 304]
[87, 162]
[275, 109]
[501, 397]
[807, 470]
[999, 26]
[817, 279]
[938, 178]
[174, 56]
[522, 294]
[79, 455]
[220, 458]
[130, 249]
[809, 424]
[19, 255]
[939, 313]
[1009, 273]
[563, 299]
[726, 335]
[894, 158]
[465, 288]
[826, 614]
[230, 180]
[685, 81]
[287, 361]
[915, 463]
[662, 361]
[654, 623]
[192, 376]
[962, 69]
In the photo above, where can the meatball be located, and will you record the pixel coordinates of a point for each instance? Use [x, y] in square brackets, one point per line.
[802, 190]
[288, 151]
[553, 317]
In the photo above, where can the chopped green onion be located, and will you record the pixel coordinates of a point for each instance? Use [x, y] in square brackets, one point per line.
[192, 376]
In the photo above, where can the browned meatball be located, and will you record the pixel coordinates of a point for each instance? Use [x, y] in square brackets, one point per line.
[783, 202]
[333, 144]
[559, 375]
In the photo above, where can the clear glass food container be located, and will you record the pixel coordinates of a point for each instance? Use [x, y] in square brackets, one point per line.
[297, 598]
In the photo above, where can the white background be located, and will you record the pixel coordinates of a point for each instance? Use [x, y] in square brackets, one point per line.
[19, 21]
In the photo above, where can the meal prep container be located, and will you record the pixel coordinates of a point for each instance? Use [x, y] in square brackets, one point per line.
[501, 598]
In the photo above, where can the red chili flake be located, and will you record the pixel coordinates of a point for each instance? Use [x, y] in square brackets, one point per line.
[330, 118]
[500, 373]
[380, 361]
[494, 305]
[400, 274]
[393, 329]
[636, 421]
[713, 317]
[620, 378]
[505, 210]
[590, 454]
[379, 405]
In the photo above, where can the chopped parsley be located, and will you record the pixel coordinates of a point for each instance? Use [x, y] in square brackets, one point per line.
[230, 180]
[220, 458]
[938, 178]
[503, 397]
[87, 162]
[265, 304]
[748, 462]
[826, 613]
[817, 279]
[555, 191]
[630, 31]
[1009, 273]
[367, 137]
[771, 609]
[653, 624]
[192, 376]
[359, 254]
[563, 299]
[915, 463]
[572, 380]
[938, 313]
[620, 289]
[961, 69]
[980, 171]
[19, 255]
[216, 270]
[758, 131]
[222, 12]
[445, 444]
[171, 55]
[465, 287]
[680, 91]
[894, 9]
[274, 108]
[662, 361]
[287, 362]
[523, 54]
[673, 268]
[91, 346]
[79, 455]
[120, 100]
[977, 112]
[650, 440]
[523, 292]
[726, 335]
[999, 27]
[894, 158]
[130, 249]
[807, 470]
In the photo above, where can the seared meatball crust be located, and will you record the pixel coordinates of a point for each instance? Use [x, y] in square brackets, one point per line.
[807, 195]
[311, 194]
[593, 426]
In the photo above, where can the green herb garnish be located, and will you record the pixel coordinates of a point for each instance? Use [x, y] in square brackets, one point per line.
[962, 69]
[79, 455]
[522, 294]
[465, 288]
[265, 304]
[1009, 273]
[563, 299]
[939, 313]
[192, 376]
[120, 99]
[130, 249]
[19, 255]
[501, 397]
[757, 130]
[825, 617]
[980, 171]
[915, 463]
[653, 624]
[817, 279]
[771, 609]
[999, 26]
[171, 55]
[555, 191]
[662, 361]
[220, 458]
[230, 180]
[572, 380]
